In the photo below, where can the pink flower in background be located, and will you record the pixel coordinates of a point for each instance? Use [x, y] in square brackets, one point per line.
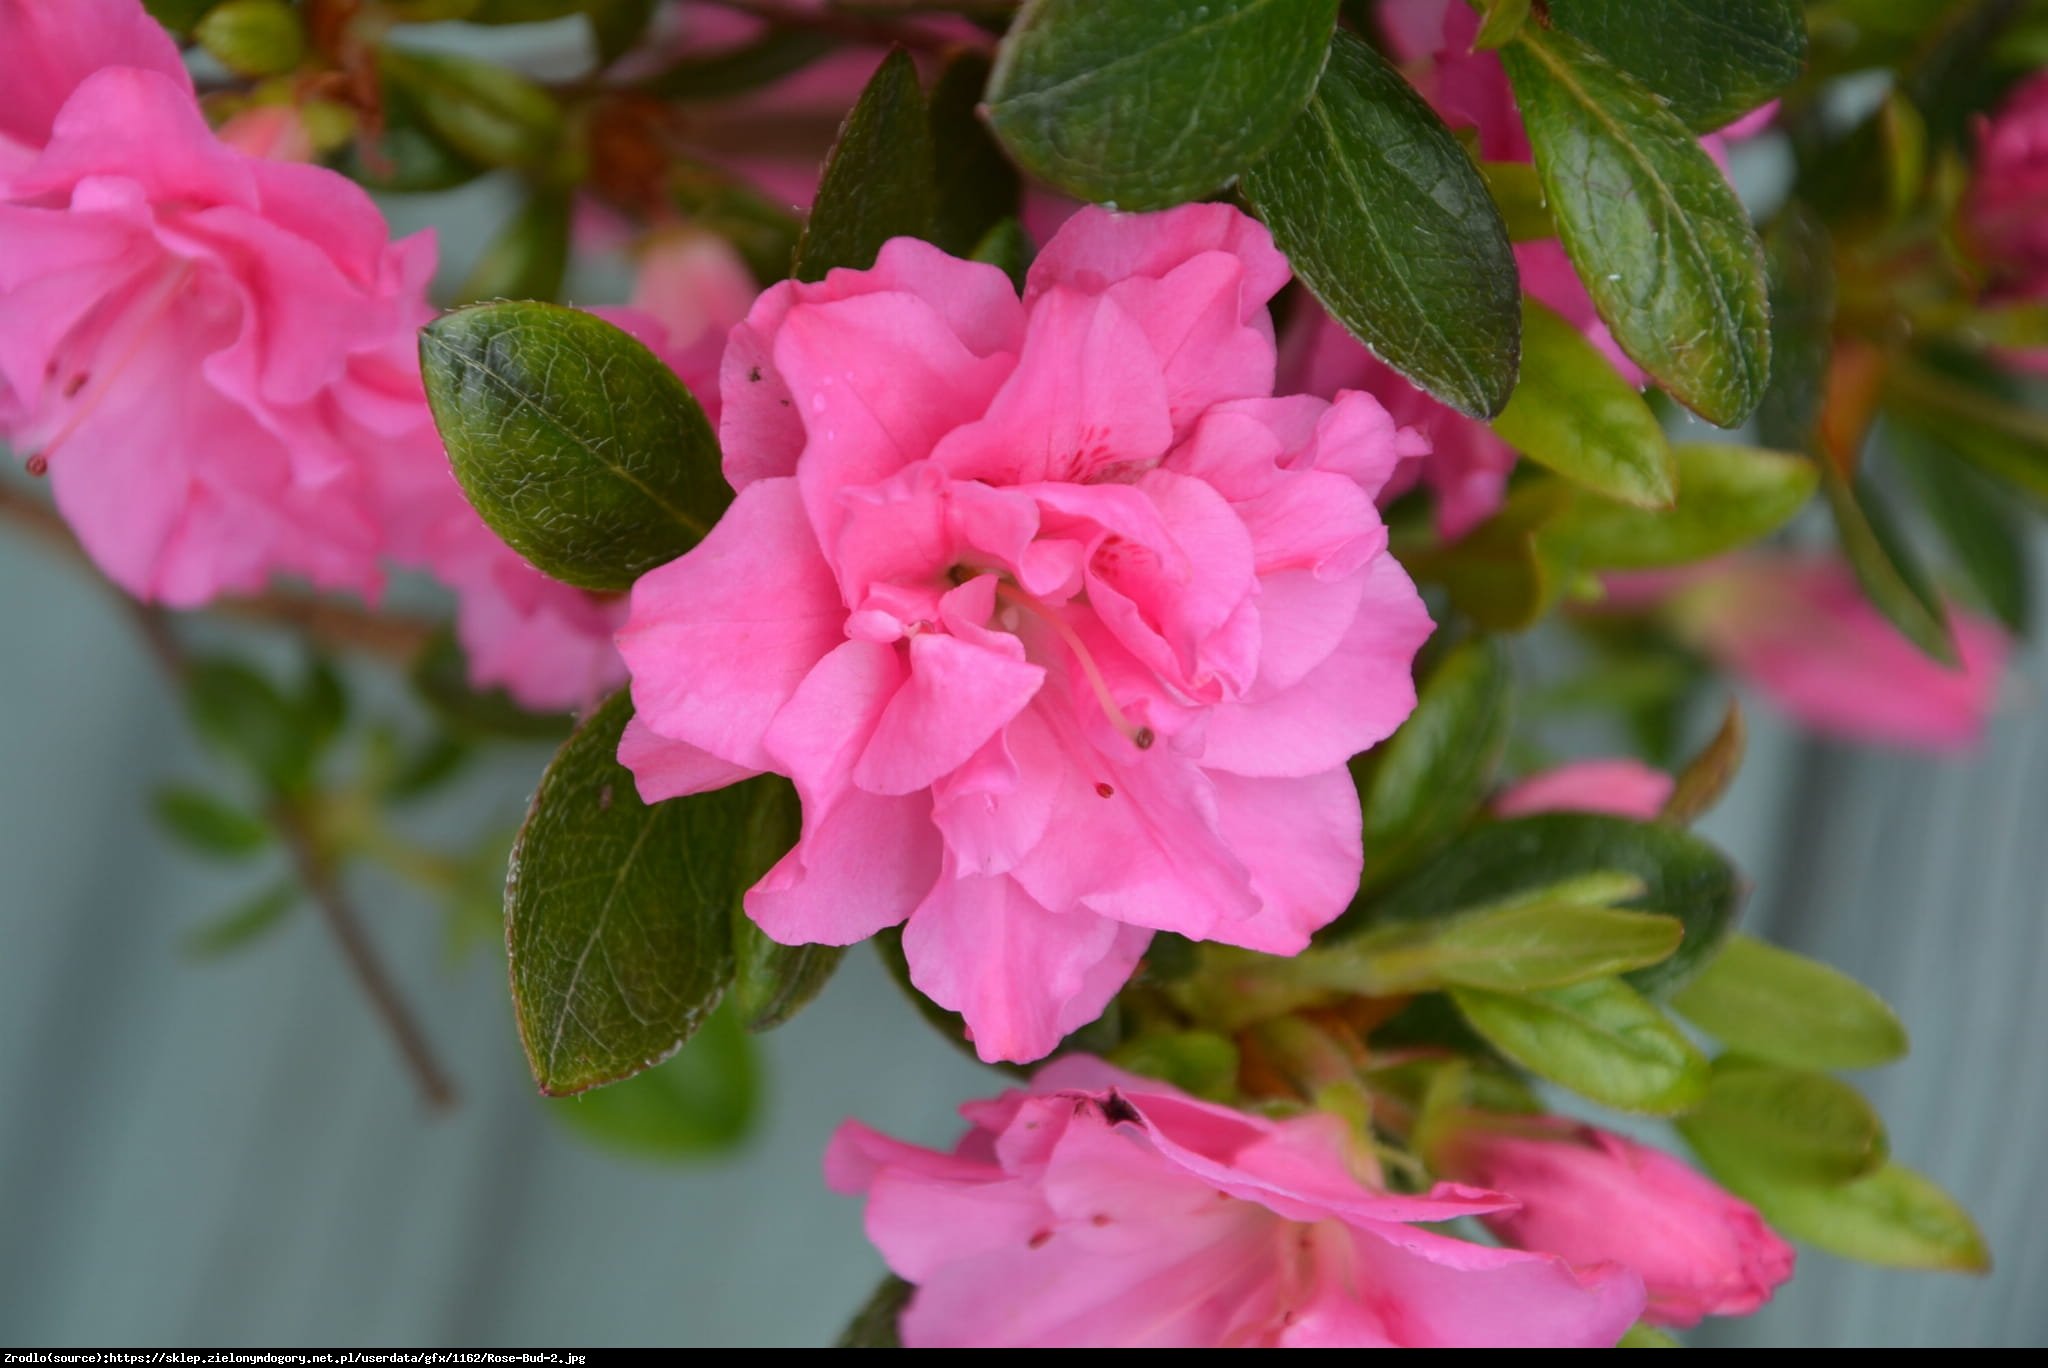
[2008, 204]
[275, 132]
[1623, 788]
[194, 342]
[1801, 631]
[1593, 1197]
[1063, 626]
[1102, 1210]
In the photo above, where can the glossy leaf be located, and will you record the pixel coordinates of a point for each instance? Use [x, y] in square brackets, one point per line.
[1575, 414]
[1792, 1122]
[1714, 60]
[1601, 1039]
[702, 1102]
[1894, 1217]
[579, 448]
[1652, 226]
[1728, 497]
[1149, 103]
[1770, 1003]
[1682, 876]
[618, 915]
[1888, 569]
[1424, 783]
[878, 181]
[1387, 220]
[1544, 943]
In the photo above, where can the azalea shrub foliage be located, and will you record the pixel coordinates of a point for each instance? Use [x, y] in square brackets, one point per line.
[1117, 504]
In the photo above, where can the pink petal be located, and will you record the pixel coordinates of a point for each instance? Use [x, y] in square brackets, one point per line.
[863, 864]
[1624, 788]
[957, 697]
[670, 769]
[1300, 840]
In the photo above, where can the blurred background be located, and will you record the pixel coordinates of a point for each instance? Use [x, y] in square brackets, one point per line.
[229, 1151]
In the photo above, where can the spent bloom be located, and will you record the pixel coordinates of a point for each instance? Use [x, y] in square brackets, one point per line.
[1591, 1196]
[1622, 788]
[1102, 1210]
[1063, 625]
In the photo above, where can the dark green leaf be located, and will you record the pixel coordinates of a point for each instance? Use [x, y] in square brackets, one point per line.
[878, 181]
[1985, 534]
[522, 11]
[1893, 1217]
[243, 924]
[1802, 1125]
[617, 26]
[1387, 220]
[2006, 440]
[210, 825]
[1007, 247]
[1149, 103]
[1682, 876]
[441, 677]
[323, 703]
[485, 113]
[618, 915]
[1425, 782]
[1800, 264]
[1890, 573]
[1788, 1009]
[773, 982]
[1601, 1039]
[177, 15]
[1518, 194]
[701, 1102]
[1728, 496]
[1714, 60]
[977, 187]
[874, 1325]
[1574, 413]
[527, 258]
[242, 715]
[405, 155]
[579, 448]
[1655, 232]
[1496, 574]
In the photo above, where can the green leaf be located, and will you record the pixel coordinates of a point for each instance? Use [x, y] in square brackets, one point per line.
[977, 188]
[1708, 774]
[1890, 573]
[1682, 876]
[1500, 21]
[1518, 194]
[1496, 574]
[1387, 220]
[617, 26]
[1149, 103]
[1425, 782]
[1574, 413]
[210, 825]
[1893, 1217]
[482, 111]
[1794, 1123]
[1660, 240]
[702, 1102]
[579, 448]
[177, 15]
[1645, 1336]
[243, 924]
[403, 154]
[618, 915]
[773, 982]
[1550, 943]
[1728, 497]
[1986, 535]
[1601, 1039]
[323, 703]
[1005, 246]
[1799, 263]
[1199, 1062]
[253, 37]
[874, 1325]
[527, 259]
[878, 181]
[244, 717]
[2005, 440]
[1714, 60]
[717, 75]
[1787, 1009]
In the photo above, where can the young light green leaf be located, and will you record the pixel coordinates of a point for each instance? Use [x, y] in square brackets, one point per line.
[702, 1102]
[1575, 414]
[1894, 1217]
[210, 825]
[1728, 496]
[579, 447]
[773, 982]
[1656, 233]
[1887, 568]
[1424, 782]
[878, 181]
[1510, 950]
[1387, 220]
[977, 188]
[1150, 103]
[1682, 876]
[1600, 1039]
[619, 915]
[1790, 1010]
[1800, 1125]
[1714, 60]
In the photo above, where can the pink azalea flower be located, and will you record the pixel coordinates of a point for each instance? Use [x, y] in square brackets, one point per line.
[2008, 205]
[1624, 788]
[1102, 1210]
[194, 342]
[1593, 1197]
[1800, 630]
[1062, 624]
[276, 132]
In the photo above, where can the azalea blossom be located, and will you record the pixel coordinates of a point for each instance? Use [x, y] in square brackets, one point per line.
[1063, 625]
[1102, 1210]
[2008, 204]
[1622, 788]
[1589, 1195]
